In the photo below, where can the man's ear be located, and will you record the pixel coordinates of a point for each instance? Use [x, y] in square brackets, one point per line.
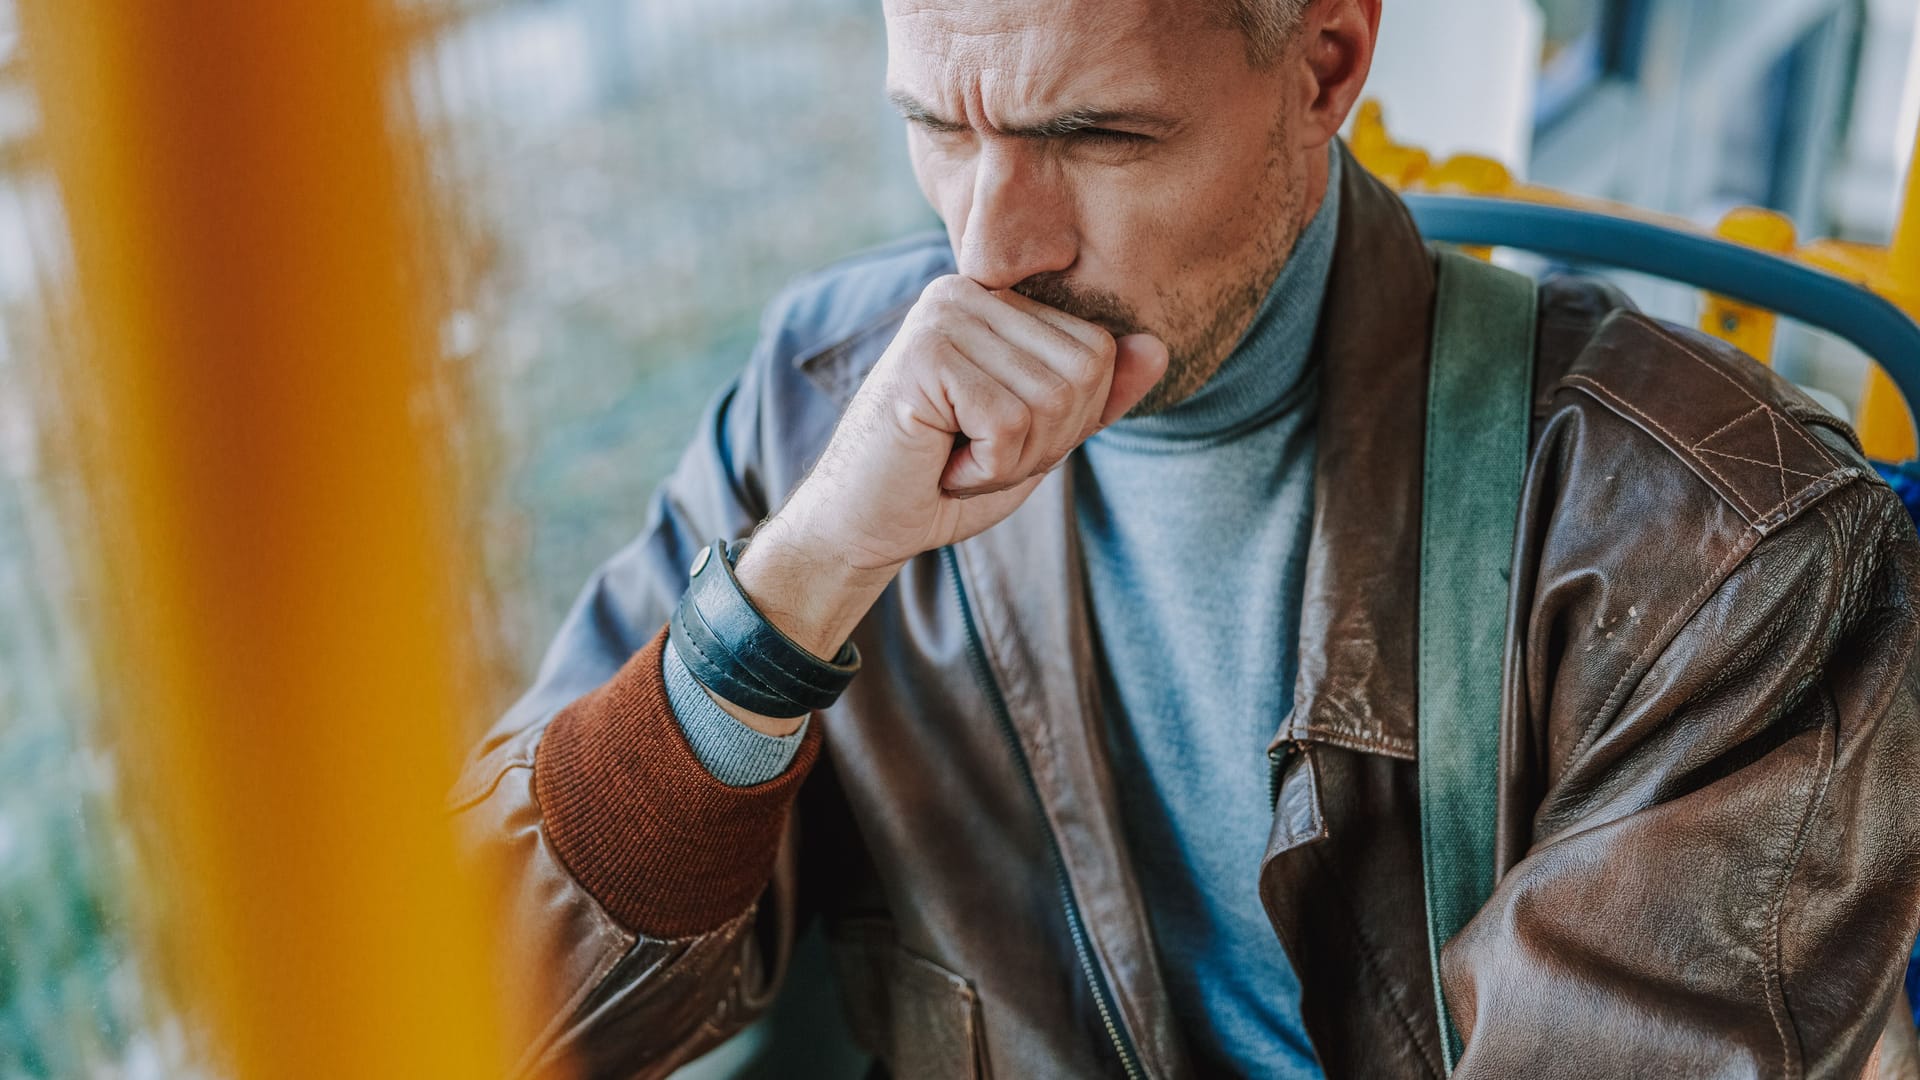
[1335, 44]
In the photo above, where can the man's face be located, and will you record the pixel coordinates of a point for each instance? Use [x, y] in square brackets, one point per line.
[1118, 159]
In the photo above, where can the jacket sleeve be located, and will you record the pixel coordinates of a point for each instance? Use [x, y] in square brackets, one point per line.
[1744, 801]
[644, 906]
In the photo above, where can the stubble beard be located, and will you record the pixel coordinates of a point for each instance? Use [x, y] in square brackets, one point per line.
[1200, 332]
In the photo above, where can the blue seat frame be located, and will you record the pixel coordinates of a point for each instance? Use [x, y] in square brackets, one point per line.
[1819, 299]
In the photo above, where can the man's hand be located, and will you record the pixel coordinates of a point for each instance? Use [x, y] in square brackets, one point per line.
[977, 398]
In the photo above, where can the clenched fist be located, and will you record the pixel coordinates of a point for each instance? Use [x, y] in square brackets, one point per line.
[980, 394]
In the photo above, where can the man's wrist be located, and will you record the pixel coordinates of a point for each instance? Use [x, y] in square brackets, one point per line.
[808, 590]
[739, 751]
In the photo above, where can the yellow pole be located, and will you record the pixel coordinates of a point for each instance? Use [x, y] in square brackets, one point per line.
[281, 621]
[1886, 422]
[1744, 326]
[1906, 234]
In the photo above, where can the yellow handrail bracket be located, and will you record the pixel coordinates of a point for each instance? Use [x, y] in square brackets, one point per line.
[1883, 418]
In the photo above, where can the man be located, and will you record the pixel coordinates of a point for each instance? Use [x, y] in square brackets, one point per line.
[1116, 490]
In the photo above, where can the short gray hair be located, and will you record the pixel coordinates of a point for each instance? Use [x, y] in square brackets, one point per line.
[1266, 24]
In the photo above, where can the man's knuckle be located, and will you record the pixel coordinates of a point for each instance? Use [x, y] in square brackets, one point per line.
[935, 313]
[931, 342]
[1009, 426]
[1057, 401]
[946, 289]
[956, 317]
[1086, 366]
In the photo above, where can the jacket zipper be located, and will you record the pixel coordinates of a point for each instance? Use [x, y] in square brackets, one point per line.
[1096, 981]
[1276, 761]
[1277, 758]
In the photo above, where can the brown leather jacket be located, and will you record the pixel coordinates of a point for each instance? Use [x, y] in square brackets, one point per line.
[1708, 841]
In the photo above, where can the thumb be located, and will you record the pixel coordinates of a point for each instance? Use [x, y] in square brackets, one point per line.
[1139, 360]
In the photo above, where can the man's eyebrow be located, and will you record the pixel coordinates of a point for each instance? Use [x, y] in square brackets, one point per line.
[911, 108]
[1081, 119]
[1064, 124]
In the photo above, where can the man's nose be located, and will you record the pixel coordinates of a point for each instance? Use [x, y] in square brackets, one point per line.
[1019, 222]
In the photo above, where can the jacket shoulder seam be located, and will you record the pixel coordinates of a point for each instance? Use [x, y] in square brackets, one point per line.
[1692, 353]
[1762, 519]
[1748, 442]
[1614, 400]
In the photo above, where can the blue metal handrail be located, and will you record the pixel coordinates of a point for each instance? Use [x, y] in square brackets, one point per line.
[1814, 297]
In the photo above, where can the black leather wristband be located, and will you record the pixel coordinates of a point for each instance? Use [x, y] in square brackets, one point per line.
[730, 648]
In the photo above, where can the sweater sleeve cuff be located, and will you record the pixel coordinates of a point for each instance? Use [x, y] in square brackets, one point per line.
[665, 847]
[734, 753]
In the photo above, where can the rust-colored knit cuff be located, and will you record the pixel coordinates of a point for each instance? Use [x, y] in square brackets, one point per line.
[668, 850]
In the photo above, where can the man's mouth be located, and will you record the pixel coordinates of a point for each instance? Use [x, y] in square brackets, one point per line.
[1103, 309]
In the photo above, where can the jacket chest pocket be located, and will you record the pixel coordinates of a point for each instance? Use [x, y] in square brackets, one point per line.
[917, 1017]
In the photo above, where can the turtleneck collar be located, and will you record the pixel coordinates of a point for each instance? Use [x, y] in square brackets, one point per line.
[1266, 374]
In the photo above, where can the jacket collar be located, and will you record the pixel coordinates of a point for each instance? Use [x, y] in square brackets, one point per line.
[838, 367]
[1358, 637]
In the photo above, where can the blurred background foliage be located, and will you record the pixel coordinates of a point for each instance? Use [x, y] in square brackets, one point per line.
[619, 186]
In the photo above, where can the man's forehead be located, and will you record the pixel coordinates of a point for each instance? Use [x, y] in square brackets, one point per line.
[1037, 55]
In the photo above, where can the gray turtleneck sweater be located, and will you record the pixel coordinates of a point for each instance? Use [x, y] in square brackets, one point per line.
[1194, 524]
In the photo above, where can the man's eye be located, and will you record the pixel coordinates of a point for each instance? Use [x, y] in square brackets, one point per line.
[1110, 137]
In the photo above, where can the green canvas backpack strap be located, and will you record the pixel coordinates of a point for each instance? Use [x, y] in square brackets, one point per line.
[1479, 402]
